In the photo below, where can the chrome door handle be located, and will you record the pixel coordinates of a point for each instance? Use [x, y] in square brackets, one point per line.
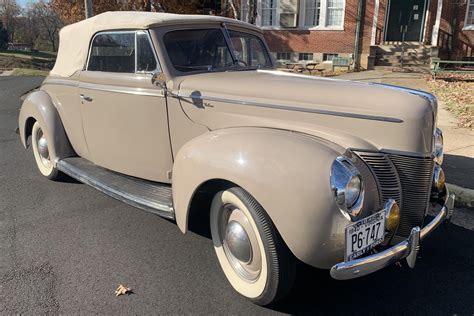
[85, 98]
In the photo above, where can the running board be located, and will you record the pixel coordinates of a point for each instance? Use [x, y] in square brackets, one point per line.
[146, 195]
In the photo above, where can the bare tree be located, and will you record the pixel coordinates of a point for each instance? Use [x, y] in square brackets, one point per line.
[9, 10]
[72, 11]
[48, 21]
[248, 9]
[235, 12]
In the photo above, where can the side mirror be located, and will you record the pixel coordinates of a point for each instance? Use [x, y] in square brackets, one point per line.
[159, 79]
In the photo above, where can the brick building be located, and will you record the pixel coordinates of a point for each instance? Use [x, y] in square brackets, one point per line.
[307, 30]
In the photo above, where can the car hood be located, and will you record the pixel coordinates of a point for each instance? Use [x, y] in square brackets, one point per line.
[350, 114]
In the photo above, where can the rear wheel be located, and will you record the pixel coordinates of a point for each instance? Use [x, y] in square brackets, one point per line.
[252, 254]
[41, 152]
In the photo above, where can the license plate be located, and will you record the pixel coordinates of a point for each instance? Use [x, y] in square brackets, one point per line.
[364, 235]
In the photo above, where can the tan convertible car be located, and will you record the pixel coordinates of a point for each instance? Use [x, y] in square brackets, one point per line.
[162, 111]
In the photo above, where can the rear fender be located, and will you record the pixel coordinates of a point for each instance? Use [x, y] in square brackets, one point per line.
[38, 107]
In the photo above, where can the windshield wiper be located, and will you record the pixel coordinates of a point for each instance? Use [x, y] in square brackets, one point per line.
[203, 67]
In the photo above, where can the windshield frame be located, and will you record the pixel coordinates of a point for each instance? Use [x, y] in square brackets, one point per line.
[161, 32]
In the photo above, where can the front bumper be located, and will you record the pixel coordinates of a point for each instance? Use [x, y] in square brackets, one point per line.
[406, 249]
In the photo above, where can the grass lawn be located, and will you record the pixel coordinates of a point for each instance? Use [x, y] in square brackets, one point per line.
[28, 55]
[458, 94]
[29, 72]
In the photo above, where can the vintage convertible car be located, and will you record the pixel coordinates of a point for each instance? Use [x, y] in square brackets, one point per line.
[186, 117]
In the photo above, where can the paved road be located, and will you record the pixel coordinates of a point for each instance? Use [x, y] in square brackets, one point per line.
[65, 247]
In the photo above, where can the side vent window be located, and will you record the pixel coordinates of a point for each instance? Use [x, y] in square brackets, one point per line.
[146, 61]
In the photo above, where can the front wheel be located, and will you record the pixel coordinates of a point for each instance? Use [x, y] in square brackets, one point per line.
[42, 153]
[252, 254]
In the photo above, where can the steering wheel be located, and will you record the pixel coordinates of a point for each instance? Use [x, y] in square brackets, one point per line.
[238, 62]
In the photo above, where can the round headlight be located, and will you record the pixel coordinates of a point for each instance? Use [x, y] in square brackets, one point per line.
[347, 186]
[352, 191]
[438, 146]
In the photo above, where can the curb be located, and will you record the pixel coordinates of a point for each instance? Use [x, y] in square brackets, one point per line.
[464, 197]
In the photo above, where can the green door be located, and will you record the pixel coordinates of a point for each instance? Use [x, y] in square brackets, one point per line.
[405, 16]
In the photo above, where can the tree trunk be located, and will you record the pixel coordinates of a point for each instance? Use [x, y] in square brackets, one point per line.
[147, 6]
[234, 10]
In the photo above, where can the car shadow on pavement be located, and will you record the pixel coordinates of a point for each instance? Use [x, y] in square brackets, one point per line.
[441, 283]
[459, 170]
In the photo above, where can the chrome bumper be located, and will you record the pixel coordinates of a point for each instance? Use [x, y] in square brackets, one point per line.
[406, 249]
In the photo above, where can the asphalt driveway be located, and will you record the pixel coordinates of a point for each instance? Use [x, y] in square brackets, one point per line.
[64, 248]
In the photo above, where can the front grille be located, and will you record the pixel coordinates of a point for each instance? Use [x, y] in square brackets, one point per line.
[413, 175]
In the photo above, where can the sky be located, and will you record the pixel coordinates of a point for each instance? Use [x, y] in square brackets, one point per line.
[23, 3]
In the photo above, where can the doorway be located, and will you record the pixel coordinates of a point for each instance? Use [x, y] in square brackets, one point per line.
[405, 18]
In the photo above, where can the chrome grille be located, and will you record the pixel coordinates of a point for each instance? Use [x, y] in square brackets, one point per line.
[386, 176]
[413, 175]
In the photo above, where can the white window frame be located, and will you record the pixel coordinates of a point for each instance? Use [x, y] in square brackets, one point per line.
[468, 27]
[301, 17]
[276, 21]
[343, 12]
[303, 13]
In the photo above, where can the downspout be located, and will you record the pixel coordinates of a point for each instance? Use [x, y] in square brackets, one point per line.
[358, 36]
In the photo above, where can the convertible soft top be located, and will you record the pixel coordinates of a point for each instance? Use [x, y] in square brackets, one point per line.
[75, 38]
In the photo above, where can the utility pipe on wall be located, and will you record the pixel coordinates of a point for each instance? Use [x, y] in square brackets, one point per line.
[88, 8]
[358, 36]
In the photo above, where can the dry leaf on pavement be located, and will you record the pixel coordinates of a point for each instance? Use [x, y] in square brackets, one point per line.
[122, 290]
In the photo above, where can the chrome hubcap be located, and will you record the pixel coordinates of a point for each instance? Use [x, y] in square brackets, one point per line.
[240, 243]
[43, 150]
[43, 147]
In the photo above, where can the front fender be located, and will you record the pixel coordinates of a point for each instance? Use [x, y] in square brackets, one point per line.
[286, 172]
[38, 106]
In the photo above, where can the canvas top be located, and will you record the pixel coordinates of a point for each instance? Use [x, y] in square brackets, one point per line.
[74, 39]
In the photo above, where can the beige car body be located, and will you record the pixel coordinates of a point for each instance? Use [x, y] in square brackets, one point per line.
[272, 133]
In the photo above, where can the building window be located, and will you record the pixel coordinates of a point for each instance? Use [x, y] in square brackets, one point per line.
[305, 56]
[329, 57]
[335, 10]
[304, 14]
[312, 13]
[469, 23]
[288, 13]
[269, 12]
[283, 56]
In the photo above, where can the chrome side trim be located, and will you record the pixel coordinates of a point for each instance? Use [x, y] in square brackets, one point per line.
[294, 108]
[62, 82]
[106, 88]
[124, 90]
[405, 249]
[422, 94]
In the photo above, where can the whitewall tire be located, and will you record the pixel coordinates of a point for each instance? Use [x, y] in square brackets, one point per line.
[252, 254]
[41, 152]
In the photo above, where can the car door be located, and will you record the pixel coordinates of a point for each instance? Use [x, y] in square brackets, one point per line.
[124, 115]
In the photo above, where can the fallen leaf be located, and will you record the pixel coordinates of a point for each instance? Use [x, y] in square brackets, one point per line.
[122, 290]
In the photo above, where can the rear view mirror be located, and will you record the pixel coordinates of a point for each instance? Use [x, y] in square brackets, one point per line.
[159, 79]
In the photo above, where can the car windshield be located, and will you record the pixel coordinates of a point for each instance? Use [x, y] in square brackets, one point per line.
[208, 50]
